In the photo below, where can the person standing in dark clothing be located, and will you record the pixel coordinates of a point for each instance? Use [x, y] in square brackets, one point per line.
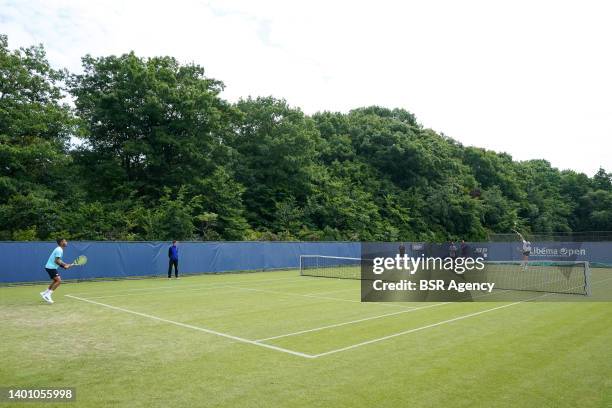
[173, 255]
[452, 250]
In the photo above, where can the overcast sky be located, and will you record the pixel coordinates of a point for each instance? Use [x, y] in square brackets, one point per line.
[531, 78]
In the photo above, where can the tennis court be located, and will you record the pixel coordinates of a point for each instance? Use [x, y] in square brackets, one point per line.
[285, 339]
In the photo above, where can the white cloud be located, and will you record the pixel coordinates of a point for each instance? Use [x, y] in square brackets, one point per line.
[527, 77]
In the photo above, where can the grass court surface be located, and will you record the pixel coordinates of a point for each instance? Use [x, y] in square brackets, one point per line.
[275, 339]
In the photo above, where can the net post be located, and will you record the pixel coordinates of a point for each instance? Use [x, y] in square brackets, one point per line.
[587, 278]
[301, 265]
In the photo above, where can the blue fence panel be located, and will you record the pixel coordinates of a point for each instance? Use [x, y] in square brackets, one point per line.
[24, 261]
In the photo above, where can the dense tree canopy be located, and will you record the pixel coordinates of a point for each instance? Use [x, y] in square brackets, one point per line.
[145, 148]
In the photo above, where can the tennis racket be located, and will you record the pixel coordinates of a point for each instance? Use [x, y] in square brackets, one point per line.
[81, 260]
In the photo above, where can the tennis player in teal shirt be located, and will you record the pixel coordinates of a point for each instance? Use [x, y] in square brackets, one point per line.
[53, 263]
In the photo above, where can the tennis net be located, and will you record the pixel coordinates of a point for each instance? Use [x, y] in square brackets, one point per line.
[570, 277]
[337, 267]
[567, 277]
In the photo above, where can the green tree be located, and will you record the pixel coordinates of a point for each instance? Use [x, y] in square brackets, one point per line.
[602, 180]
[222, 209]
[35, 128]
[160, 155]
[597, 210]
[277, 148]
[148, 124]
[173, 217]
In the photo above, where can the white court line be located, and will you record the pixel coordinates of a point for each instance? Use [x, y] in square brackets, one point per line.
[199, 285]
[179, 288]
[318, 297]
[202, 329]
[312, 356]
[335, 291]
[351, 322]
[437, 324]
[165, 292]
[429, 326]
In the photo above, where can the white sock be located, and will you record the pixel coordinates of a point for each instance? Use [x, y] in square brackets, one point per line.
[50, 291]
[46, 291]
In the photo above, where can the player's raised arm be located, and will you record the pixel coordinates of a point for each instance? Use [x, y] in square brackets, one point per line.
[519, 234]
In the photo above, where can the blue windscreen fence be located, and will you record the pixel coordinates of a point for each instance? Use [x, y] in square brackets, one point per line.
[24, 261]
